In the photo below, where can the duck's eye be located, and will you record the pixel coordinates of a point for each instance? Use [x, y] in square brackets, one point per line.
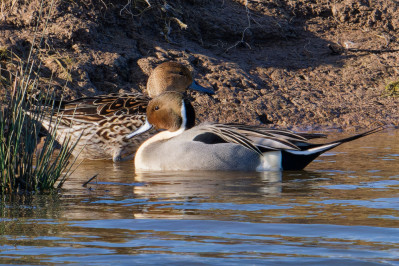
[156, 108]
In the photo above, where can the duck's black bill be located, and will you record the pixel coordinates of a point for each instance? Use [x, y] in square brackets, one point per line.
[144, 128]
[195, 86]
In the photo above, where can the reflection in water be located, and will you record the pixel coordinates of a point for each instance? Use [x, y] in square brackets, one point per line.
[342, 209]
[207, 184]
[192, 187]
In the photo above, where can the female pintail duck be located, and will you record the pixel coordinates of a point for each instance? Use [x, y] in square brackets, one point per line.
[102, 122]
[220, 146]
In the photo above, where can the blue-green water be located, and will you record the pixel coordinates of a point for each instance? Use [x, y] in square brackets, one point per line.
[343, 209]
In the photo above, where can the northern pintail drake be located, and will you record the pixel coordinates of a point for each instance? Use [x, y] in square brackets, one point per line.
[183, 146]
[102, 122]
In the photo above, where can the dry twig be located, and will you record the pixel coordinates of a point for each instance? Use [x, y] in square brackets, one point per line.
[243, 33]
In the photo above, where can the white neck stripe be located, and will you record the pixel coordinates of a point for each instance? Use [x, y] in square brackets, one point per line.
[183, 115]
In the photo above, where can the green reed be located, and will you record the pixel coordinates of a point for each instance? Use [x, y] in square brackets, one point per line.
[23, 168]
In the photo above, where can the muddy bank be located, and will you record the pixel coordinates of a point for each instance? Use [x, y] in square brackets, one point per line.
[297, 64]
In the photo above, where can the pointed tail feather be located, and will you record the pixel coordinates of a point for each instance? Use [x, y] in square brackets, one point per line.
[297, 160]
[359, 135]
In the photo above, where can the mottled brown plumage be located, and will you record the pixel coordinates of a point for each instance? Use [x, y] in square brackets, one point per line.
[102, 122]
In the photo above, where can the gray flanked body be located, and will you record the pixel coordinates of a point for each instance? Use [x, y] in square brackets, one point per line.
[186, 152]
[211, 146]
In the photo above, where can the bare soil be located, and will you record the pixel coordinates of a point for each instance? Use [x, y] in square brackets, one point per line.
[299, 64]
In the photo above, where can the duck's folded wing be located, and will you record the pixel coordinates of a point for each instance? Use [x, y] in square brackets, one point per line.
[249, 137]
[230, 135]
[281, 133]
[299, 139]
[94, 109]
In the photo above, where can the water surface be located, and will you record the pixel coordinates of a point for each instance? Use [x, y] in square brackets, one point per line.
[343, 209]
